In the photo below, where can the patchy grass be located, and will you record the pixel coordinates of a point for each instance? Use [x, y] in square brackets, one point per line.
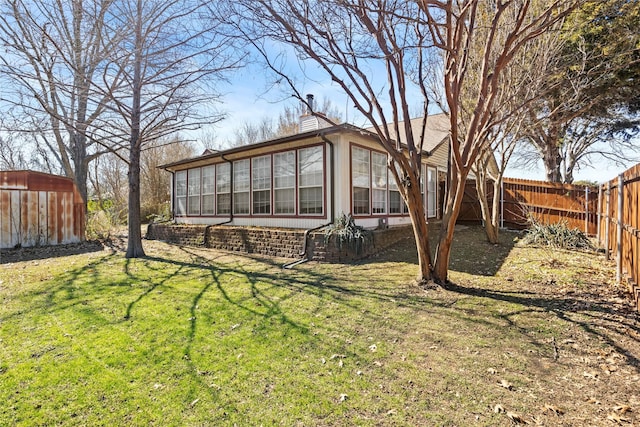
[201, 337]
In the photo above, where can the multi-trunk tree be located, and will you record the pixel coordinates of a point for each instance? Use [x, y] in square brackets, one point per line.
[379, 53]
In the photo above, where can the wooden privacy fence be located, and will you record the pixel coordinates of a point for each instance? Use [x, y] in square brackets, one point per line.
[546, 201]
[611, 212]
[619, 229]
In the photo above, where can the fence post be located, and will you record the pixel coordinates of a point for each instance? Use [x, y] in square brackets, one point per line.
[607, 224]
[599, 217]
[502, 204]
[586, 210]
[619, 234]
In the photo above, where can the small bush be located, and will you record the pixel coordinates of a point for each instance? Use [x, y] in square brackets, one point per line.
[347, 234]
[557, 235]
[100, 224]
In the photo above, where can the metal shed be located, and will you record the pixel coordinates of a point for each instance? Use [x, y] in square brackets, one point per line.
[38, 209]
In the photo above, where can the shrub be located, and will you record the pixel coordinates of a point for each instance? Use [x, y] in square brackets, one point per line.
[99, 225]
[347, 234]
[557, 235]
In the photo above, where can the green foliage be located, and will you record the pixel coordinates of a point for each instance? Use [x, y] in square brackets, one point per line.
[97, 205]
[348, 235]
[557, 235]
[157, 213]
[99, 225]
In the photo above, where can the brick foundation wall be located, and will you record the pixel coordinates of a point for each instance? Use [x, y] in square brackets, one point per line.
[285, 243]
[330, 252]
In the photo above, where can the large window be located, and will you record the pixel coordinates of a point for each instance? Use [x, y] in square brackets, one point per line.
[374, 189]
[379, 183]
[310, 178]
[193, 195]
[432, 192]
[181, 192]
[396, 204]
[208, 190]
[261, 183]
[284, 182]
[223, 188]
[360, 180]
[241, 186]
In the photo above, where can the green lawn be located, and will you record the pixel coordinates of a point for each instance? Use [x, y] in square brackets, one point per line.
[201, 337]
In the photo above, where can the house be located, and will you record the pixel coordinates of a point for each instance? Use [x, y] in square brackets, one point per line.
[306, 180]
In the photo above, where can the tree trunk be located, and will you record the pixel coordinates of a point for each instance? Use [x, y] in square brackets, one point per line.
[551, 156]
[490, 230]
[420, 232]
[80, 164]
[451, 211]
[134, 245]
[495, 206]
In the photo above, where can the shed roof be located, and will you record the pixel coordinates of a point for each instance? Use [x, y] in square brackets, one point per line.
[34, 181]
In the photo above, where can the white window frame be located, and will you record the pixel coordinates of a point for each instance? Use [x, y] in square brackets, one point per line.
[223, 189]
[311, 181]
[208, 188]
[242, 187]
[261, 173]
[193, 191]
[284, 183]
[181, 192]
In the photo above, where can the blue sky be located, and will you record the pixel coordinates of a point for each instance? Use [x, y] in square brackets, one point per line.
[251, 96]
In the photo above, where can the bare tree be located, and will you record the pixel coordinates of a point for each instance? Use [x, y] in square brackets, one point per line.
[347, 40]
[250, 133]
[289, 118]
[287, 123]
[12, 155]
[523, 79]
[170, 59]
[374, 50]
[53, 57]
[456, 27]
[154, 182]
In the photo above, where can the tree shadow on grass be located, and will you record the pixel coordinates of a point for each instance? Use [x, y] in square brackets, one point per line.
[470, 253]
[46, 252]
[593, 315]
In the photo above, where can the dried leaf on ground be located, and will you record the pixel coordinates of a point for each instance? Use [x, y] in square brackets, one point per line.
[506, 384]
[617, 418]
[553, 409]
[515, 418]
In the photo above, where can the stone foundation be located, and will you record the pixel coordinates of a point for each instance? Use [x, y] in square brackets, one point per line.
[284, 243]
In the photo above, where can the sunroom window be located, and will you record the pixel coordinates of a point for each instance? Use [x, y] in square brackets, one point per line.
[208, 190]
[181, 192]
[261, 180]
[223, 189]
[284, 182]
[193, 195]
[360, 175]
[310, 171]
[241, 186]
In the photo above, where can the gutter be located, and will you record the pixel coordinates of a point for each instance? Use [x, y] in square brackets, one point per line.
[208, 227]
[305, 239]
